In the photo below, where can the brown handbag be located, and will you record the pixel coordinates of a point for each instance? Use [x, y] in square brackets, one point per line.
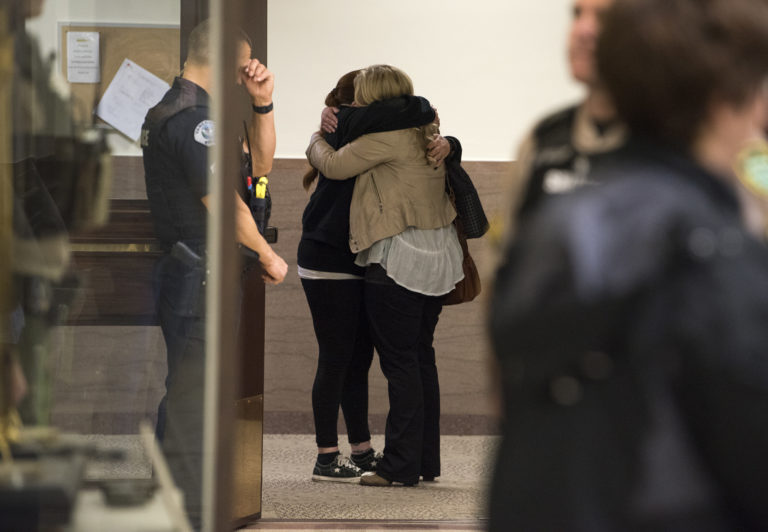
[469, 287]
[469, 215]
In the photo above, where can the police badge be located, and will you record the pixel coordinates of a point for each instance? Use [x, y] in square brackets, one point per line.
[204, 133]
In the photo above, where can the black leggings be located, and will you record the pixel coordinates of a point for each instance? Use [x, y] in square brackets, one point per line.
[345, 354]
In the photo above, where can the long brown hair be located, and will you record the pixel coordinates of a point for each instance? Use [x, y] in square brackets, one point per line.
[342, 94]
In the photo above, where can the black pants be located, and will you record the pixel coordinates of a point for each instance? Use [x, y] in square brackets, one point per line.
[180, 414]
[345, 354]
[403, 326]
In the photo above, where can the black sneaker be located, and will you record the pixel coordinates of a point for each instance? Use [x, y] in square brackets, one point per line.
[340, 470]
[368, 460]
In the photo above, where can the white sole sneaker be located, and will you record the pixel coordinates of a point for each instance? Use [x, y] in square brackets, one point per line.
[321, 478]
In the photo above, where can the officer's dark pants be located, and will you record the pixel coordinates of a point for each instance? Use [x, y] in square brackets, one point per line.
[180, 414]
[345, 354]
[402, 326]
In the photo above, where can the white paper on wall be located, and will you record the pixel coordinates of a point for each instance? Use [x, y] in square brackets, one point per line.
[83, 57]
[130, 94]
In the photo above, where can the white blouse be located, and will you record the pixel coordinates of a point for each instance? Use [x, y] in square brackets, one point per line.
[427, 261]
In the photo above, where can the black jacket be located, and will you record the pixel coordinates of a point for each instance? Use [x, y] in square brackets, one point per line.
[629, 321]
[326, 217]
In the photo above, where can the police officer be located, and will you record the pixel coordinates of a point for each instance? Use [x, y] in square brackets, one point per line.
[557, 154]
[175, 139]
[634, 395]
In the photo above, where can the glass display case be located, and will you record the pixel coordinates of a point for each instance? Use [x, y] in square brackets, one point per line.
[85, 384]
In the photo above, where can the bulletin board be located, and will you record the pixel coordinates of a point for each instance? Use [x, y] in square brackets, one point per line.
[155, 48]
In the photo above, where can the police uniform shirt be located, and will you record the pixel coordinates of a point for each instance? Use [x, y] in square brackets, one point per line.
[566, 145]
[175, 138]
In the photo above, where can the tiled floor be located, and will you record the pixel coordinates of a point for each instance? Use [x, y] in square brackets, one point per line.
[292, 501]
[458, 494]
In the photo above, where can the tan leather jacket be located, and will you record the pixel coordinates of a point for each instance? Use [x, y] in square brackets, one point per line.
[396, 188]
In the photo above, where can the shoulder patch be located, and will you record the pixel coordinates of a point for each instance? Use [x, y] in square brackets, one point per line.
[204, 133]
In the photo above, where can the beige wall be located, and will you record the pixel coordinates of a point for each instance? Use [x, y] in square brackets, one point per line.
[489, 66]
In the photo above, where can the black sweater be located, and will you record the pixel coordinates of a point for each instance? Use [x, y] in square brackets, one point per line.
[324, 242]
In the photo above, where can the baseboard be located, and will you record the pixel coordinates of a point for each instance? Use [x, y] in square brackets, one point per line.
[450, 424]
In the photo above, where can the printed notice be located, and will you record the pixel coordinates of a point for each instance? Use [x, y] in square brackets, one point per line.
[83, 57]
[130, 94]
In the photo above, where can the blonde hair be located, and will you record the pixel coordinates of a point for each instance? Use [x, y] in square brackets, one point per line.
[381, 82]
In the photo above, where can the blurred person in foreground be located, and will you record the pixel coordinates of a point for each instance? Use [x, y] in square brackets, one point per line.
[557, 154]
[629, 319]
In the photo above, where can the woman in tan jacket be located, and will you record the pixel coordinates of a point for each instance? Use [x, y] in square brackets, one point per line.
[401, 229]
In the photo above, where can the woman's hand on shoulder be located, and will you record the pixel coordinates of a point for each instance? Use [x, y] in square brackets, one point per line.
[438, 150]
[328, 120]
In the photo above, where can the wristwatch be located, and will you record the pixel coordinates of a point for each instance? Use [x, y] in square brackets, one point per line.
[264, 109]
